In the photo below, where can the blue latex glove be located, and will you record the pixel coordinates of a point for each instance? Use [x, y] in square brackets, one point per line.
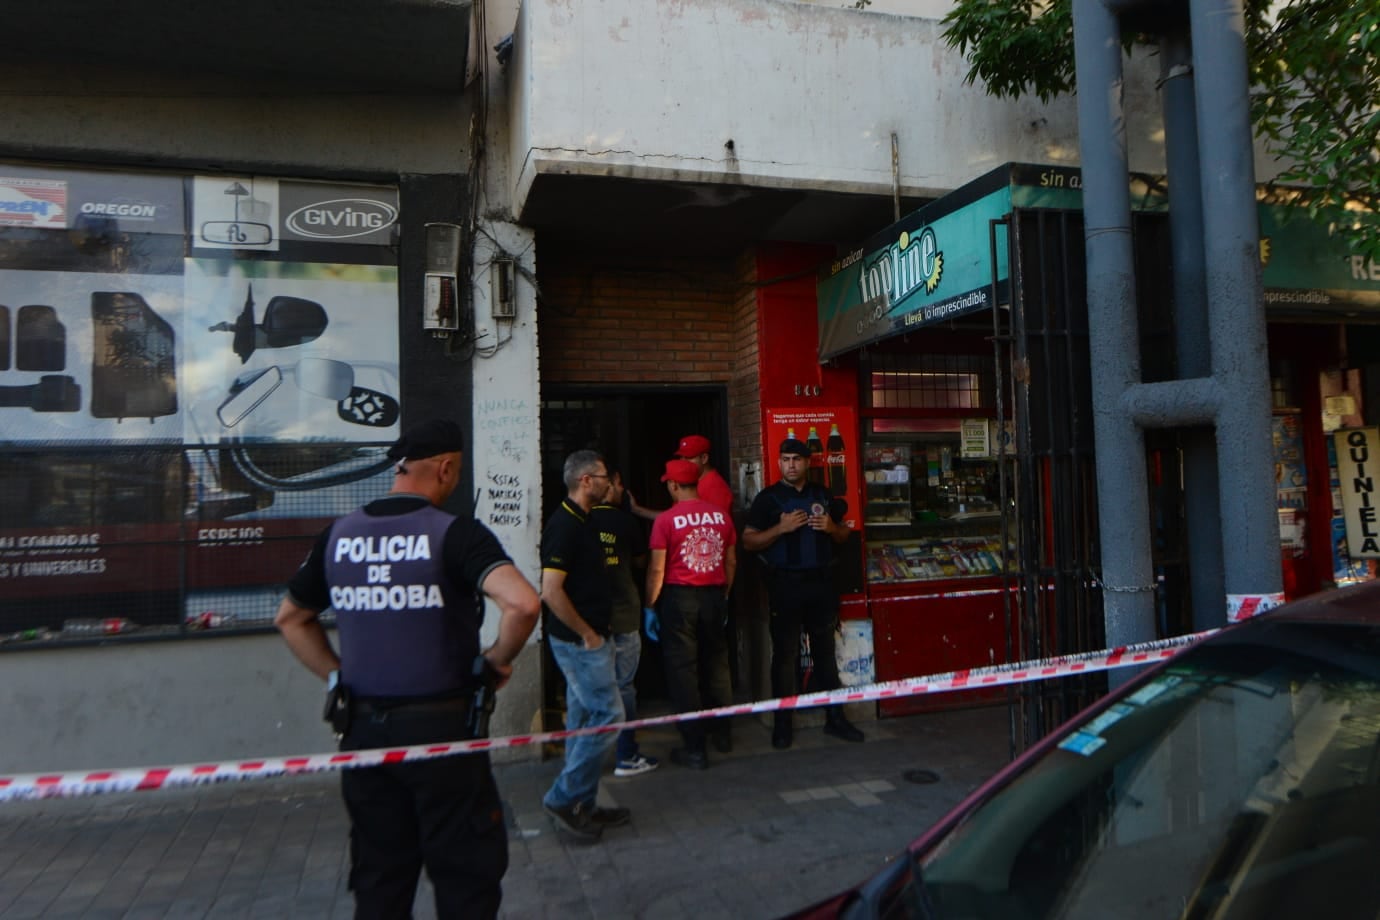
[651, 623]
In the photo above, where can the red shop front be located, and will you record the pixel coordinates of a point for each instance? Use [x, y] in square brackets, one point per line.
[909, 438]
[959, 338]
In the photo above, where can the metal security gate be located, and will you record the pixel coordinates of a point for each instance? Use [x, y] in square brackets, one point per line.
[1055, 507]
[1042, 344]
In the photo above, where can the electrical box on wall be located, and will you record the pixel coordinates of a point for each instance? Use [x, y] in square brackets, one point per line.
[440, 297]
[501, 289]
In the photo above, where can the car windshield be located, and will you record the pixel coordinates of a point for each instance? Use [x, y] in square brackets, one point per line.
[1243, 781]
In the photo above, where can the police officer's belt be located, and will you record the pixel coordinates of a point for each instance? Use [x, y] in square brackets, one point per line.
[403, 705]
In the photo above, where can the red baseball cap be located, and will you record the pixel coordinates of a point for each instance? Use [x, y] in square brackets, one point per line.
[692, 445]
[681, 471]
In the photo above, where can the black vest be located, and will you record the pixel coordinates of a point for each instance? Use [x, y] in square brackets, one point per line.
[805, 548]
[405, 628]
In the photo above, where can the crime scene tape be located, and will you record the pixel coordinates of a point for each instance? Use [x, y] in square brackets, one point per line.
[145, 779]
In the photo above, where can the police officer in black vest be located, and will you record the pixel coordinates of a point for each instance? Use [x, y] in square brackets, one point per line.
[794, 525]
[407, 582]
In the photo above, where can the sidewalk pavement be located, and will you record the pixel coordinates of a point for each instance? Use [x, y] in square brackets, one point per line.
[761, 833]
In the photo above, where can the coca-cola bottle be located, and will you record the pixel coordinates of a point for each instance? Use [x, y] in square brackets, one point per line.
[816, 456]
[837, 462]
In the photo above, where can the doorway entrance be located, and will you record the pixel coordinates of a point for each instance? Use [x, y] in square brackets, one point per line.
[637, 430]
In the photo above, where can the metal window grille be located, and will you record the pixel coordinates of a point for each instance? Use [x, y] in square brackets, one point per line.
[930, 381]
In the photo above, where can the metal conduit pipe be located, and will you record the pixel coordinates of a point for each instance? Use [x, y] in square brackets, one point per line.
[1193, 352]
[1240, 355]
[1171, 403]
[1128, 581]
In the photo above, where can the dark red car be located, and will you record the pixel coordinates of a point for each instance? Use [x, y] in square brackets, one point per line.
[1239, 779]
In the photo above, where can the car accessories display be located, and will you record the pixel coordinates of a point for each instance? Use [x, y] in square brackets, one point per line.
[41, 346]
[52, 393]
[368, 407]
[329, 379]
[133, 362]
[287, 321]
[133, 371]
[246, 393]
[40, 340]
[318, 376]
[330, 468]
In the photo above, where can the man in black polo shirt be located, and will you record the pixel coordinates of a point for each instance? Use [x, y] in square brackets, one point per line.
[794, 524]
[577, 598]
[405, 579]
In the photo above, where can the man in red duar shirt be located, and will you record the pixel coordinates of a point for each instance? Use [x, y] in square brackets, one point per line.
[712, 487]
[688, 579]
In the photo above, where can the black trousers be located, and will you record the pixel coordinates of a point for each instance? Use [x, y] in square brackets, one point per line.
[444, 814]
[695, 650]
[807, 602]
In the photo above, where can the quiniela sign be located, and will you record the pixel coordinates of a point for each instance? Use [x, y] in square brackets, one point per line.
[1358, 463]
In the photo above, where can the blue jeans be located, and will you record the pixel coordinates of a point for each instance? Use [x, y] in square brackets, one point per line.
[627, 652]
[591, 698]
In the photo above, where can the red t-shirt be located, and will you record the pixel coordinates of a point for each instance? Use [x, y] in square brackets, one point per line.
[714, 489]
[695, 535]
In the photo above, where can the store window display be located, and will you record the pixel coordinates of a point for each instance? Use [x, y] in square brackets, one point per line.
[930, 470]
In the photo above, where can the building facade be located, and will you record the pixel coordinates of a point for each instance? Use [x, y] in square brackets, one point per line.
[647, 192]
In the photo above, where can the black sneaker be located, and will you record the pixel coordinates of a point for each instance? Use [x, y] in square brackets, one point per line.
[610, 817]
[694, 760]
[576, 820]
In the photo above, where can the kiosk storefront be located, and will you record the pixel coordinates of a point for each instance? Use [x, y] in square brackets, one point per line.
[964, 327]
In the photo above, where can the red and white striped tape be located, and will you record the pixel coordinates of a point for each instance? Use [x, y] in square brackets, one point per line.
[1244, 606]
[92, 782]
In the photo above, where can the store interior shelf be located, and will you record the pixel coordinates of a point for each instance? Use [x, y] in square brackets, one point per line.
[925, 560]
[886, 472]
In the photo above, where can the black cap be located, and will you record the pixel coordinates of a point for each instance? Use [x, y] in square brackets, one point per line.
[427, 439]
[794, 446]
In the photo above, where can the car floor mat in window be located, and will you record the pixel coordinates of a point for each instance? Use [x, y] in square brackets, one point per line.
[4, 338]
[52, 393]
[133, 366]
[40, 339]
[368, 407]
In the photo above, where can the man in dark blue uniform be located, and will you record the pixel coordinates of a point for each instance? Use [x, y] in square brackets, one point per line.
[407, 582]
[794, 525]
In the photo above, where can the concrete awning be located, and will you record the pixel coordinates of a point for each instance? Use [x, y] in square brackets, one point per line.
[348, 45]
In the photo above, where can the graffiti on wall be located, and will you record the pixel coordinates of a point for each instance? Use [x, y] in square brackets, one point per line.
[504, 434]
